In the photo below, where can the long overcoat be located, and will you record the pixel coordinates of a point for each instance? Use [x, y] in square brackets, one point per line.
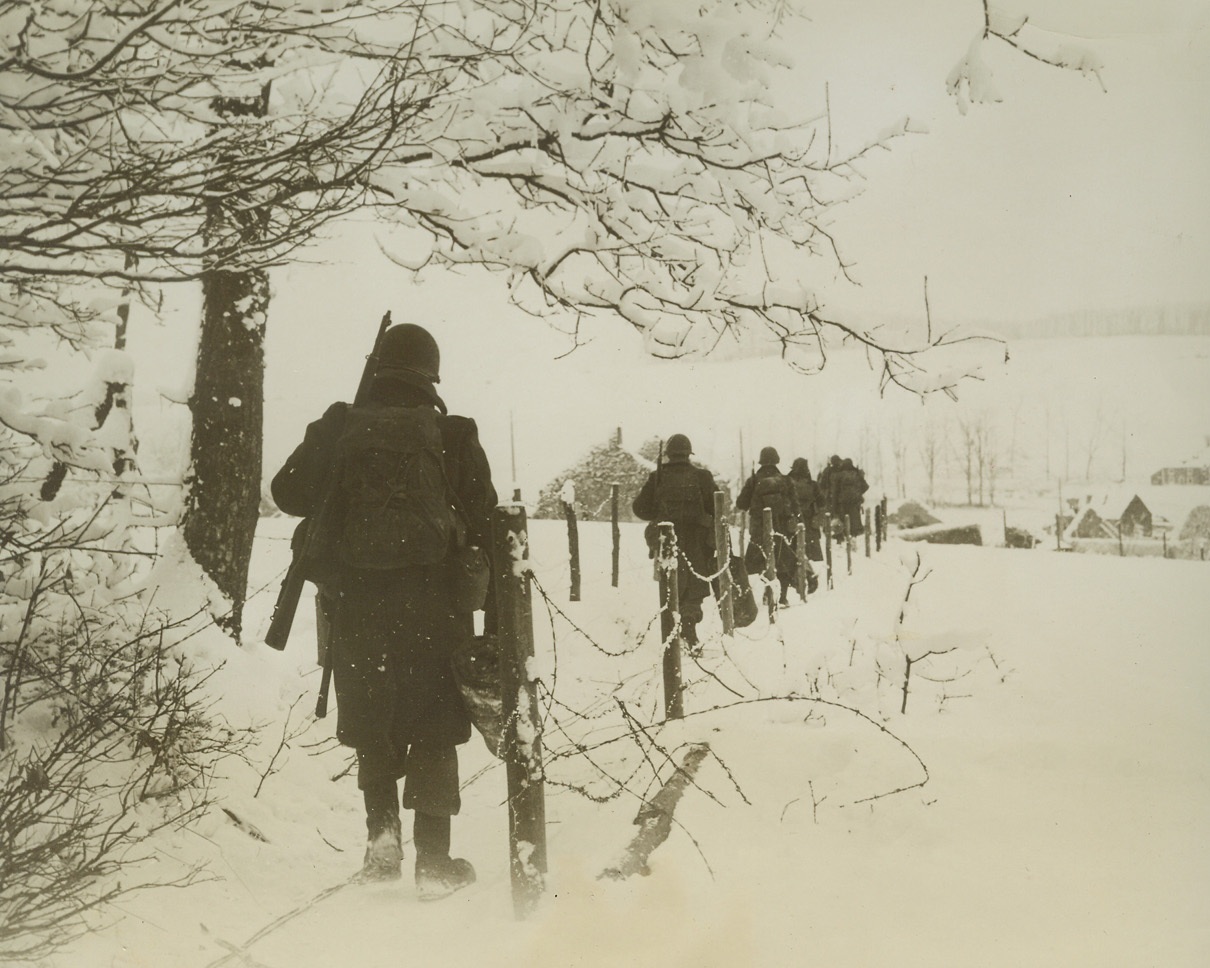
[393, 632]
[694, 528]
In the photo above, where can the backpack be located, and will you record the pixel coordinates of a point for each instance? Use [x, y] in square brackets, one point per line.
[775, 492]
[678, 498]
[393, 490]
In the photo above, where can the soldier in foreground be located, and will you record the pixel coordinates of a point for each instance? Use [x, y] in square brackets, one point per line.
[412, 491]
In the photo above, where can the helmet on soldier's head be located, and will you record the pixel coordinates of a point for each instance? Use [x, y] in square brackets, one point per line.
[409, 352]
[769, 455]
[678, 446]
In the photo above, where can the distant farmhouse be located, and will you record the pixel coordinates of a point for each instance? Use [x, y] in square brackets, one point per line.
[1110, 513]
[594, 474]
[1196, 470]
[1175, 518]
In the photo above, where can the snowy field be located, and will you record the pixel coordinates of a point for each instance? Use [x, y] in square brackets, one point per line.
[1053, 803]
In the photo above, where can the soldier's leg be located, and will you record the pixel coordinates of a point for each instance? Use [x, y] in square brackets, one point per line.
[378, 771]
[430, 788]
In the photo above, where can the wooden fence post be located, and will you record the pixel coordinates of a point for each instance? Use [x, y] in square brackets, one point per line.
[878, 524]
[616, 531]
[882, 504]
[573, 541]
[848, 545]
[519, 695]
[769, 546]
[828, 548]
[722, 565]
[670, 618]
[800, 555]
[867, 532]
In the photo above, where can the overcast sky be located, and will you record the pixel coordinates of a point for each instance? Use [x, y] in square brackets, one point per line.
[1062, 197]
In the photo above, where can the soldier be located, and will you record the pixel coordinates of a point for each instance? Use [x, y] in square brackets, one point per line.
[770, 488]
[827, 485]
[679, 492]
[850, 487]
[413, 486]
[807, 493]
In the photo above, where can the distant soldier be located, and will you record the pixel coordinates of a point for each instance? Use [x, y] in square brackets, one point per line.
[827, 486]
[770, 488]
[850, 487]
[806, 490]
[679, 492]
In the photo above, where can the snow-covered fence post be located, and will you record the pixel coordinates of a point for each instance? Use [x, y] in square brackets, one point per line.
[848, 545]
[567, 495]
[828, 549]
[867, 532]
[519, 695]
[670, 621]
[769, 546]
[615, 531]
[722, 565]
[800, 554]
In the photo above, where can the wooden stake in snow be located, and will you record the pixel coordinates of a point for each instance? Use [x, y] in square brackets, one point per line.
[722, 560]
[523, 742]
[654, 818]
[867, 532]
[878, 526]
[848, 545]
[670, 621]
[828, 549]
[770, 563]
[616, 530]
[567, 495]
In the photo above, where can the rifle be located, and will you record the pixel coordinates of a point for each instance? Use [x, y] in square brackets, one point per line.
[309, 531]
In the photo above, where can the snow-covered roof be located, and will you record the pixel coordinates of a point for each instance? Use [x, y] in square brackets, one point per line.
[1170, 505]
[1110, 501]
[1174, 503]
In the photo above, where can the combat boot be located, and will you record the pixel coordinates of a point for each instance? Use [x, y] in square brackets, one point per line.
[438, 874]
[384, 848]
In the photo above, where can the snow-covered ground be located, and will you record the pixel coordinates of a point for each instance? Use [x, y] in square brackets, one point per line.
[1053, 808]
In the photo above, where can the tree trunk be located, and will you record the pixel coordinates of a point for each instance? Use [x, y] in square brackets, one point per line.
[223, 504]
[227, 403]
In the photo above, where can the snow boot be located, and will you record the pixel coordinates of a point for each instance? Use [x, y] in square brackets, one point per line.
[384, 848]
[438, 874]
[438, 877]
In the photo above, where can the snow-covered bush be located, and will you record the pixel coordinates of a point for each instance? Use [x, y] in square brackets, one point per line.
[106, 734]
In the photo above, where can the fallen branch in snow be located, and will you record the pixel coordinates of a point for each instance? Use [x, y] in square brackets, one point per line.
[655, 817]
[249, 828]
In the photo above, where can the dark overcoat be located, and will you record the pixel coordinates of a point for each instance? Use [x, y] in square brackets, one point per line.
[393, 632]
[694, 531]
